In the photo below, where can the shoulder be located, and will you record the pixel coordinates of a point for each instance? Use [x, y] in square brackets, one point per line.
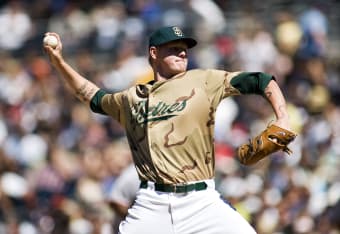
[203, 73]
[211, 72]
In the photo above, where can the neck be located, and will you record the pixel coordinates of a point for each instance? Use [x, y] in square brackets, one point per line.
[158, 76]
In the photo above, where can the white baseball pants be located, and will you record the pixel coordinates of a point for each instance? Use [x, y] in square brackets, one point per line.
[196, 212]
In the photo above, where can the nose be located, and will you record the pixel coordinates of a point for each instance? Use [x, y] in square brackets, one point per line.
[182, 54]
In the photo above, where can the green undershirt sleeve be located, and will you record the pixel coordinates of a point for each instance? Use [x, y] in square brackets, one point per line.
[251, 82]
[95, 103]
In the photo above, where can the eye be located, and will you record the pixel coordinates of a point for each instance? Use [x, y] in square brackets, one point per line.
[178, 49]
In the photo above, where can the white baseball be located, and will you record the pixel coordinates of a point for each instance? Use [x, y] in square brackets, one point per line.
[51, 41]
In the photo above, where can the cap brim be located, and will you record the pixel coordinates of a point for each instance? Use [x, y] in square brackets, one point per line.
[190, 42]
[187, 40]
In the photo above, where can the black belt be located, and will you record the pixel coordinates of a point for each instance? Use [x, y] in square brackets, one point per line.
[176, 188]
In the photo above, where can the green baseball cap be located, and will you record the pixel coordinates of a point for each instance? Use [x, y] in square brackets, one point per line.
[168, 34]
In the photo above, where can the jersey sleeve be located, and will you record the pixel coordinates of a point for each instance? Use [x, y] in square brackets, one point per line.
[109, 104]
[218, 85]
[251, 82]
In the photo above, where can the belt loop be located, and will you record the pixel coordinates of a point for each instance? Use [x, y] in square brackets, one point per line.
[143, 184]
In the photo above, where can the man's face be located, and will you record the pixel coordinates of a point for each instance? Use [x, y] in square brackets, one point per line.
[172, 58]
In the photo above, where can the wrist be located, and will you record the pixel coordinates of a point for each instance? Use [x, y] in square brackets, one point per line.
[283, 122]
[59, 63]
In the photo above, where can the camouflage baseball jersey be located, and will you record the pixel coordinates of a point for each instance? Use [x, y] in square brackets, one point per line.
[169, 124]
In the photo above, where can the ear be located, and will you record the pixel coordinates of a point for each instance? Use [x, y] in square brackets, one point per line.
[153, 52]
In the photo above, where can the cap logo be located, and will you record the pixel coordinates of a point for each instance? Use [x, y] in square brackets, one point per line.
[177, 31]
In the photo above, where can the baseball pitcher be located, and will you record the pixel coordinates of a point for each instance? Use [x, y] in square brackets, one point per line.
[169, 123]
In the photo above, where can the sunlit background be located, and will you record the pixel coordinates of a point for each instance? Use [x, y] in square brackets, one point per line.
[59, 162]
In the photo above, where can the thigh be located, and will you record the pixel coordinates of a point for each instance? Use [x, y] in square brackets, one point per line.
[147, 216]
[227, 220]
[216, 217]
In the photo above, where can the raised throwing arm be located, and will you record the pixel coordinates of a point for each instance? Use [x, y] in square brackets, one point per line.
[82, 88]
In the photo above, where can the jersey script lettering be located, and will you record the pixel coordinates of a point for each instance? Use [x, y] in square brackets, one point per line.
[161, 111]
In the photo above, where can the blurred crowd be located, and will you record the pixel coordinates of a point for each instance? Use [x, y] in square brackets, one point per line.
[60, 163]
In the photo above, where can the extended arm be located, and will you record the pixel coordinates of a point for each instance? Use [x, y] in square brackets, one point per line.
[82, 88]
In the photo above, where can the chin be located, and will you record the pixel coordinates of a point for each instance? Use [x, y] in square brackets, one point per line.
[178, 68]
[181, 68]
[177, 71]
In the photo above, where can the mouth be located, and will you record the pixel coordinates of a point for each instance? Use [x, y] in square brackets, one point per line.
[180, 61]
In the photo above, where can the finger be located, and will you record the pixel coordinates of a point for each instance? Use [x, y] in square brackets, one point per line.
[48, 48]
[54, 34]
[49, 51]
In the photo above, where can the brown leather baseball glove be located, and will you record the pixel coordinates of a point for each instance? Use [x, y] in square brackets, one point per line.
[272, 139]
